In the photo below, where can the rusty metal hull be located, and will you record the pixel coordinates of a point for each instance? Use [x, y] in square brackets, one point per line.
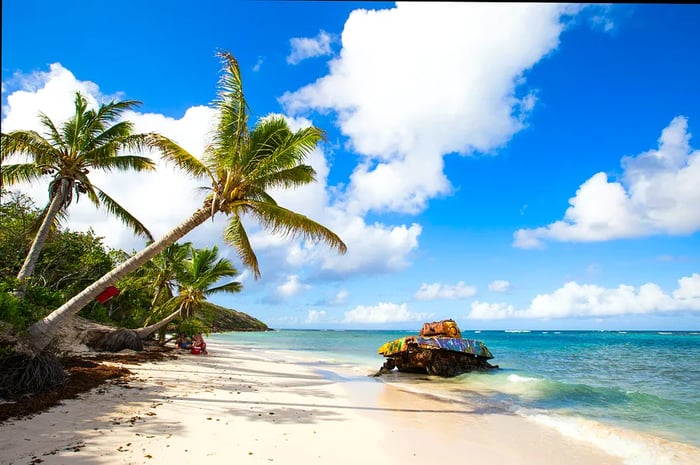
[440, 356]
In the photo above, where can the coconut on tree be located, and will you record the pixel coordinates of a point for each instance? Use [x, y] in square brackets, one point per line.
[90, 140]
[242, 165]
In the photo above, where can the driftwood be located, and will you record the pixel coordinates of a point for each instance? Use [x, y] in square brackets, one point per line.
[80, 336]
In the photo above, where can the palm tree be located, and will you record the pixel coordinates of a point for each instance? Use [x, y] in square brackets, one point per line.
[162, 274]
[241, 166]
[87, 141]
[196, 281]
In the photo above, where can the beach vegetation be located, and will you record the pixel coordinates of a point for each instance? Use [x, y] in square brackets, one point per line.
[242, 166]
[198, 276]
[90, 140]
[69, 261]
[192, 326]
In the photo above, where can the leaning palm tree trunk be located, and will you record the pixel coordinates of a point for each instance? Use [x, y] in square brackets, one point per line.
[38, 244]
[42, 332]
[144, 333]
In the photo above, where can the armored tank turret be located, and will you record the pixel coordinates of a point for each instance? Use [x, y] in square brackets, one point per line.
[439, 350]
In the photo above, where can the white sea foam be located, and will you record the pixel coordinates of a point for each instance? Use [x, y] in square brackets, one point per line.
[516, 331]
[521, 379]
[665, 333]
[632, 447]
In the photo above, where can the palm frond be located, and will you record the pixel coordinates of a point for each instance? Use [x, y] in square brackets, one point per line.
[113, 110]
[233, 286]
[298, 176]
[24, 172]
[173, 153]
[52, 132]
[81, 184]
[232, 129]
[286, 154]
[28, 143]
[121, 132]
[124, 163]
[200, 262]
[279, 220]
[71, 129]
[235, 235]
[124, 216]
[264, 139]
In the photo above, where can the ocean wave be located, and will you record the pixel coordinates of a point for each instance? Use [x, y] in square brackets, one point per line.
[633, 447]
[521, 379]
[516, 331]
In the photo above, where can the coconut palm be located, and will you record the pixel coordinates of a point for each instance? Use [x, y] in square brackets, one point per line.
[87, 141]
[162, 274]
[198, 279]
[241, 165]
[202, 271]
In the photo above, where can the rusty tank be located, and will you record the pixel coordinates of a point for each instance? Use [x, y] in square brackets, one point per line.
[438, 350]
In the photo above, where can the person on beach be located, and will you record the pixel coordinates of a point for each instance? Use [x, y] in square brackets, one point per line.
[199, 342]
[183, 342]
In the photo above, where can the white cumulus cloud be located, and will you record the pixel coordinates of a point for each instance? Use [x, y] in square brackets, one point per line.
[160, 199]
[574, 300]
[421, 80]
[383, 312]
[340, 297]
[658, 194]
[314, 316]
[164, 198]
[499, 285]
[309, 47]
[291, 287]
[435, 291]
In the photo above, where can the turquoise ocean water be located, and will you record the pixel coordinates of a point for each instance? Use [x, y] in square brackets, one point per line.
[645, 382]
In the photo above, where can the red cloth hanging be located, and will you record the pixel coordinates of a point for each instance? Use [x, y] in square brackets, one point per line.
[107, 294]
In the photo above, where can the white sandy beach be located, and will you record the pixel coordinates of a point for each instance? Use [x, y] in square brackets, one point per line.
[239, 406]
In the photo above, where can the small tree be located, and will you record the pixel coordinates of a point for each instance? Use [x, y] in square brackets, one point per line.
[198, 279]
[87, 141]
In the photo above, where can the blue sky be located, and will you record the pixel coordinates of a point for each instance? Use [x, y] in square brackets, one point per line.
[516, 166]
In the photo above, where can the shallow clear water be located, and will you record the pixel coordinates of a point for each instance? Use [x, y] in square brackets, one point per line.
[643, 381]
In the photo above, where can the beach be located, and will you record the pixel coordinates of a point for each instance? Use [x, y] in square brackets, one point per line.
[254, 406]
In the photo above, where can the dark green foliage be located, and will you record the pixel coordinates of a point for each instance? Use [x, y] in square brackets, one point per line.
[221, 320]
[18, 216]
[192, 326]
[37, 303]
[22, 374]
[69, 261]
[72, 260]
